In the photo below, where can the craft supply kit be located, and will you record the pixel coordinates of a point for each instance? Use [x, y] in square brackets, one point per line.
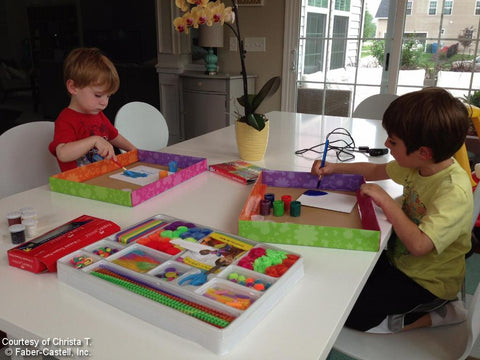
[41, 253]
[204, 285]
[339, 225]
[107, 181]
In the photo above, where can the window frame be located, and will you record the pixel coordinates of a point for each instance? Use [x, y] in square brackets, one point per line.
[434, 8]
[450, 8]
[409, 9]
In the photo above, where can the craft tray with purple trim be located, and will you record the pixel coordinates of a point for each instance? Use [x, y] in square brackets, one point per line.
[72, 181]
[150, 270]
[315, 228]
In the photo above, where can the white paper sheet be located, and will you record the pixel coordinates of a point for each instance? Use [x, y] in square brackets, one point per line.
[329, 201]
[152, 175]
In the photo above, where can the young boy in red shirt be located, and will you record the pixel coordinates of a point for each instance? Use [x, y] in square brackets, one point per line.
[82, 130]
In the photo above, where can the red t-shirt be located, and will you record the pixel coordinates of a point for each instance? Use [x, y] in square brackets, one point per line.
[72, 125]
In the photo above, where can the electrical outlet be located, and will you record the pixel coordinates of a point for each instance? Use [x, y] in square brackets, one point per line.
[255, 44]
[233, 44]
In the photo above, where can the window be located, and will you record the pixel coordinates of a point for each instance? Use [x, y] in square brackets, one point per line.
[432, 8]
[477, 7]
[409, 8]
[447, 7]
[343, 5]
[315, 42]
[339, 42]
[318, 3]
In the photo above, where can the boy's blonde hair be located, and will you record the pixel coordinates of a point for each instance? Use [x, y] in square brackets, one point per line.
[88, 66]
[430, 117]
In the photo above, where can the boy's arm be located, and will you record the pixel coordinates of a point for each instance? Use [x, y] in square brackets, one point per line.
[73, 150]
[370, 171]
[415, 240]
[122, 143]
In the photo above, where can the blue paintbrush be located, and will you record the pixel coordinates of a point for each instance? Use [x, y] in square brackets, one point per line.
[324, 157]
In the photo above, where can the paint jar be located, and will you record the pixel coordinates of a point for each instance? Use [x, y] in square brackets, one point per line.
[265, 207]
[172, 166]
[270, 197]
[27, 209]
[14, 217]
[295, 208]
[278, 208]
[162, 174]
[287, 199]
[17, 233]
[29, 215]
[257, 217]
[30, 227]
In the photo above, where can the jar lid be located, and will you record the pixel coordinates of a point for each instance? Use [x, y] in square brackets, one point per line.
[29, 214]
[30, 222]
[14, 215]
[16, 228]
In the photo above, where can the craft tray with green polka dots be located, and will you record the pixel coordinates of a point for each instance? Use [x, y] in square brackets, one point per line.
[207, 286]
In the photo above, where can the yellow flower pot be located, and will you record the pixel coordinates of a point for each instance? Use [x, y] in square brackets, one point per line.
[251, 143]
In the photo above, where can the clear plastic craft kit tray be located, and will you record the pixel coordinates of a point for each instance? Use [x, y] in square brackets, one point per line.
[204, 285]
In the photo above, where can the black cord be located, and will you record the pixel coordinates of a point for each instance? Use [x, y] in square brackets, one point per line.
[343, 144]
[340, 140]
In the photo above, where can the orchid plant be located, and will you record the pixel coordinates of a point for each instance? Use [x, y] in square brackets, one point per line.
[206, 13]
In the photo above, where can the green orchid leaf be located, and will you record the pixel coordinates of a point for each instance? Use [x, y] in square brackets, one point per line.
[252, 121]
[270, 88]
[256, 121]
[241, 100]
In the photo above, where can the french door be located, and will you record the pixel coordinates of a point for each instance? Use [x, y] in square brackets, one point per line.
[326, 50]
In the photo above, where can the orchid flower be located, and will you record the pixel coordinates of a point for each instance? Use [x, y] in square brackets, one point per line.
[180, 25]
[200, 16]
[182, 4]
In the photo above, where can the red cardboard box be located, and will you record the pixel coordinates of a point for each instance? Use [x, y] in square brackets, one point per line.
[41, 253]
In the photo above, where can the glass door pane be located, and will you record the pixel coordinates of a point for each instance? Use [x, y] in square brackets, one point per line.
[339, 42]
[335, 56]
[427, 42]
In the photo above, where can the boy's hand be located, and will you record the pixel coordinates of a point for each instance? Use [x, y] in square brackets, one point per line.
[379, 196]
[329, 168]
[104, 148]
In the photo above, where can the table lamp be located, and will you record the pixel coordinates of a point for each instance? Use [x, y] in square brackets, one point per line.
[211, 37]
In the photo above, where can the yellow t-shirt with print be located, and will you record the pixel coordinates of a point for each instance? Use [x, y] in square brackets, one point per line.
[442, 206]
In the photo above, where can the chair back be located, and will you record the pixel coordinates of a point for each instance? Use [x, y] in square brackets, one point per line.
[374, 106]
[26, 162]
[143, 125]
[310, 101]
[476, 205]
[473, 322]
[462, 155]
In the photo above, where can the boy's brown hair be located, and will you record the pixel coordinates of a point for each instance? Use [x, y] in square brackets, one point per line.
[431, 117]
[88, 66]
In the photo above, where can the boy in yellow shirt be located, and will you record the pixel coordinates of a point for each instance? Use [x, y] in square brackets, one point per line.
[415, 282]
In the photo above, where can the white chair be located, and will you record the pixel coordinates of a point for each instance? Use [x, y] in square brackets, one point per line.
[26, 162]
[143, 125]
[445, 342]
[374, 106]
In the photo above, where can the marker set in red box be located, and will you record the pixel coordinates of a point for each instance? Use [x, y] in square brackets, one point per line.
[41, 253]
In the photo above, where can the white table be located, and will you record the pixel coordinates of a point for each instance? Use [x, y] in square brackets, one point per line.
[304, 325]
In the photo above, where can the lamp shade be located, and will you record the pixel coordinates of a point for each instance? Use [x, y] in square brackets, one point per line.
[210, 36]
